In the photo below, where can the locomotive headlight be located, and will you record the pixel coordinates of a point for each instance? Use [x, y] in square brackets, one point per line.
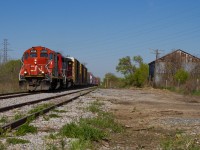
[42, 72]
[25, 72]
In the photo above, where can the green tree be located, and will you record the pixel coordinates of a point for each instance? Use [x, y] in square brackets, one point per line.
[110, 80]
[181, 76]
[135, 73]
[140, 76]
[138, 60]
[125, 66]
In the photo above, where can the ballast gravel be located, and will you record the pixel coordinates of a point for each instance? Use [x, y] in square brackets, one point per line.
[71, 112]
[136, 109]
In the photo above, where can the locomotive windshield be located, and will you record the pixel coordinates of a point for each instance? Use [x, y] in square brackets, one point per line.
[33, 54]
[43, 55]
[25, 55]
[50, 56]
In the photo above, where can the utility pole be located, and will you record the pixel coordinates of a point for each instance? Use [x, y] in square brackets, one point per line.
[156, 66]
[0, 57]
[107, 82]
[5, 50]
[157, 52]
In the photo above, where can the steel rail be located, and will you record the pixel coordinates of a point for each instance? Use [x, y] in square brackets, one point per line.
[17, 123]
[7, 96]
[4, 94]
[7, 108]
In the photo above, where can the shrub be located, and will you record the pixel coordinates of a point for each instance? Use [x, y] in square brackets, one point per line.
[181, 76]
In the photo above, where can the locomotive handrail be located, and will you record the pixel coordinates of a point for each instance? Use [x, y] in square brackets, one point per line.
[47, 67]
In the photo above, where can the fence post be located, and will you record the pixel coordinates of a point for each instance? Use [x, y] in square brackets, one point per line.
[178, 83]
[197, 85]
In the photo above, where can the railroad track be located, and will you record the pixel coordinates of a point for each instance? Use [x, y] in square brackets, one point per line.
[17, 94]
[7, 108]
[21, 94]
[17, 123]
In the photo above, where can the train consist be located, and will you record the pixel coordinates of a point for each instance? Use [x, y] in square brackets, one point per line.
[45, 69]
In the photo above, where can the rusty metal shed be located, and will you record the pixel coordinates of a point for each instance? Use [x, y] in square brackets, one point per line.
[163, 69]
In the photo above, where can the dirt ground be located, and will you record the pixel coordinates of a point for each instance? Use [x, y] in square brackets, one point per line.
[151, 116]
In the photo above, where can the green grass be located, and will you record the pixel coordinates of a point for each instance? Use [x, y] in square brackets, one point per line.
[82, 131]
[4, 119]
[180, 142]
[88, 130]
[51, 147]
[2, 146]
[54, 116]
[47, 117]
[59, 111]
[24, 129]
[16, 141]
[80, 145]
[104, 121]
[52, 136]
[196, 93]
[40, 107]
[95, 107]
[18, 116]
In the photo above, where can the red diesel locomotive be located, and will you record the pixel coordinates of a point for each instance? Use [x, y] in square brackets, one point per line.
[44, 69]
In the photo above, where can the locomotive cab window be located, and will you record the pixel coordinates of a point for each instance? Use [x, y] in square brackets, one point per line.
[25, 56]
[50, 56]
[33, 54]
[43, 55]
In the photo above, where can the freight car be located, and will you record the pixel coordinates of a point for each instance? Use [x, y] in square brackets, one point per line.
[44, 69]
[92, 80]
[79, 73]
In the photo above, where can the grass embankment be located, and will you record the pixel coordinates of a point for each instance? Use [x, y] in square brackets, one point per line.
[9, 76]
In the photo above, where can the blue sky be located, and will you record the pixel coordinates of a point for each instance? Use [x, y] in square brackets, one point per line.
[99, 32]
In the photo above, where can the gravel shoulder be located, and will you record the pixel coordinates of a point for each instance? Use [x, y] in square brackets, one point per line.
[151, 115]
[148, 116]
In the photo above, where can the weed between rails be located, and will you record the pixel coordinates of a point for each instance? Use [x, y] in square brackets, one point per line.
[18, 116]
[16, 141]
[24, 129]
[59, 111]
[40, 107]
[2, 146]
[86, 132]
